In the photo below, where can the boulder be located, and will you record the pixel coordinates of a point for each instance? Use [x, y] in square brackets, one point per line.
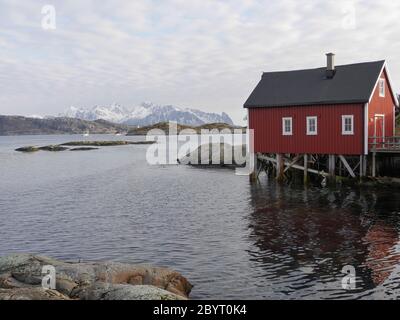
[83, 149]
[27, 149]
[105, 291]
[91, 280]
[216, 154]
[96, 143]
[31, 294]
[53, 148]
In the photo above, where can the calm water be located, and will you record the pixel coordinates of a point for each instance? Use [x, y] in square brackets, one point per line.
[230, 238]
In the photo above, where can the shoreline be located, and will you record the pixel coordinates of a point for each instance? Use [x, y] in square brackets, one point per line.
[31, 277]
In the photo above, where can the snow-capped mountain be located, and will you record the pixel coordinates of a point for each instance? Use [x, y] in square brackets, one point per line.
[146, 114]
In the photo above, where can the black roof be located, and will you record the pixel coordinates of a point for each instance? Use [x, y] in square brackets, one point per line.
[351, 83]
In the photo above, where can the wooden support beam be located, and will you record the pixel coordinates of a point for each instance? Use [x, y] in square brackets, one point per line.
[305, 157]
[253, 160]
[365, 165]
[358, 165]
[259, 168]
[280, 167]
[347, 166]
[374, 164]
[322, 173]
[295, 160]
[294, 166]
[263, 157]
[331, 165]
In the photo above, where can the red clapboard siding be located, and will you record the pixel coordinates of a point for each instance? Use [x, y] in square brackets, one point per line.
[382, 105]
[268, 138]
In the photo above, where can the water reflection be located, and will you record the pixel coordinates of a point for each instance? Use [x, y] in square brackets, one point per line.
[307, 235]
[232, 239]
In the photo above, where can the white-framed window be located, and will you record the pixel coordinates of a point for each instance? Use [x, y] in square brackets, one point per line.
[312, 126]
[348, 124]
[287, 126]
[381, 87]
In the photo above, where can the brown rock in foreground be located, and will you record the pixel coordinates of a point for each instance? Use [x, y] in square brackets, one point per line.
[21, 278]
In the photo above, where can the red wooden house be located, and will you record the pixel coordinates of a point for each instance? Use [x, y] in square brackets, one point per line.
[332, 110]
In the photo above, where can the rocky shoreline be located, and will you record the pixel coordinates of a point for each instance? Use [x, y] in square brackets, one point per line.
[21, 279]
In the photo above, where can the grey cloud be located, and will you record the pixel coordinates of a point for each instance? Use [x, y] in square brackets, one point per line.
[204, 54]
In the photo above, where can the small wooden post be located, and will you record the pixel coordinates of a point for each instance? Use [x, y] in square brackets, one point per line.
[331, 165]
[253, 175]
[306, 169]
[331, 168]
[364, 173]
[363, 166]
[279, 167]
[374, 164]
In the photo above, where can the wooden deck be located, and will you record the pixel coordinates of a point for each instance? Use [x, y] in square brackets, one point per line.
[384, 144]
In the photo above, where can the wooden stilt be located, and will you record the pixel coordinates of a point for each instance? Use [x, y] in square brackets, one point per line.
[279, 167]
[364, 170]
[253, 174]
[331, 165]
[331, 168]
[305, 169]
[374, 164]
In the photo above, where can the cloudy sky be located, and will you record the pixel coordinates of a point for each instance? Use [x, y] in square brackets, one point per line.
[205, 54]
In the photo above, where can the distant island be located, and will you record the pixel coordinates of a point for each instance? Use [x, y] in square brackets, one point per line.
[19, 125]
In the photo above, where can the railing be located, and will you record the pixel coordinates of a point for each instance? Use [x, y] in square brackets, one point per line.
[384, 144]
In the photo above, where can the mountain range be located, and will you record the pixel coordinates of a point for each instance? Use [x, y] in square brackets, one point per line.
[146, 114]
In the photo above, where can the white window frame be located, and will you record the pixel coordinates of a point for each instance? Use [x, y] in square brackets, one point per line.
[284, 132]
[312, 133]
[381, 87]
[344, 117]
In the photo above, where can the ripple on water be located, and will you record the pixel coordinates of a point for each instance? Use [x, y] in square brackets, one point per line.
[231, 239]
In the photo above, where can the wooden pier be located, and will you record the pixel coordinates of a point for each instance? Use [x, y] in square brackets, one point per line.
[387, 148]
[383, 152]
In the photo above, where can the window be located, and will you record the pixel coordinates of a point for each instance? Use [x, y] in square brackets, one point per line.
[347, 124]
[312, 126]
[287, 126]
[381, 87]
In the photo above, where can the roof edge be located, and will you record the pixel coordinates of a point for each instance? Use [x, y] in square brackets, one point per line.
[317, 103]
[337, 66]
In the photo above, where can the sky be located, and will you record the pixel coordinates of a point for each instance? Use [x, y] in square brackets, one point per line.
[204, 54]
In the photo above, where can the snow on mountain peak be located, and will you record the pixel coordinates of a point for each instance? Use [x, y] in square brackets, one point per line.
[146, 113]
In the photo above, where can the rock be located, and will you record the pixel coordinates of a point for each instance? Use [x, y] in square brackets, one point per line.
[27, 149]
[96, 143]
[83, 149]
[208, 153]
[104, 291]
[92, 280]
[31, 294]
[45, 148]
[53, 148]
[142, 142]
